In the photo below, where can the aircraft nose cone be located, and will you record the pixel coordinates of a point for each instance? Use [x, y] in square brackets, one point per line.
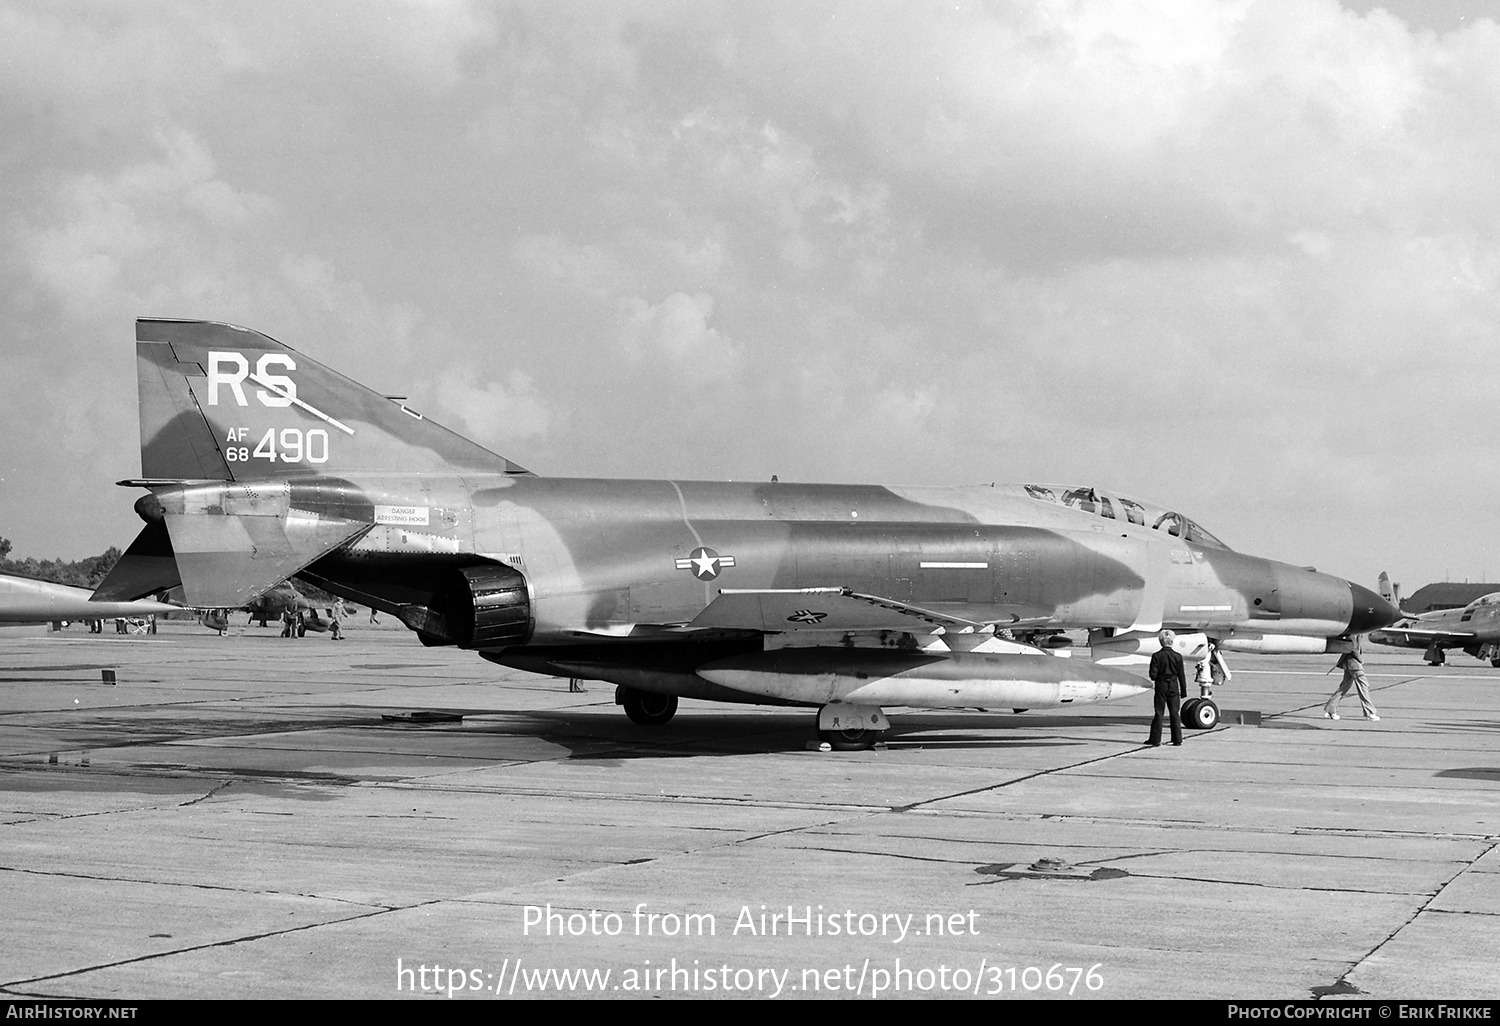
[1371, 612]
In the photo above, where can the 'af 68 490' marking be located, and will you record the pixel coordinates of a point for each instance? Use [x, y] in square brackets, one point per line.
[296, 446]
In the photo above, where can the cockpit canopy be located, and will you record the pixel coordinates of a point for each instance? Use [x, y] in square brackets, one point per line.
[1492, 599]
[1118, 507]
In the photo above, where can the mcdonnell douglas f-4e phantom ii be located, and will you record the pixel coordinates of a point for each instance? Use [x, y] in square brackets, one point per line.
[261, 463]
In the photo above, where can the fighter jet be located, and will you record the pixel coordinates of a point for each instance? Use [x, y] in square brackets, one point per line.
[1475, 628]
[1430, 598]
[260, 462]
[281, 599]
[23, 600]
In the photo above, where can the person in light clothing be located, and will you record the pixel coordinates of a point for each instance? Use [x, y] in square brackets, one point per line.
[1354, 676]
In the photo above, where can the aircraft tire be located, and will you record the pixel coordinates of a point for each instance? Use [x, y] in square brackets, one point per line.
[648, 708]
[1495, 662]
[857, 740]
[1201, 714]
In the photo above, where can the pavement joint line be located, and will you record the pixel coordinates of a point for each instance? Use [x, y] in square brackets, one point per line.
[207, 795]
[1263, 885]
[1307, 709]
[889, 855]
[914, 806]
[915, 838]
[5, 986]
[1351, 832]
[99, 878]
[1416, 913]
[672, 799]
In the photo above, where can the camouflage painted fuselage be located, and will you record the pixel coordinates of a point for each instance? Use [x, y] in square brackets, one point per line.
[601, 557]
[262, 464]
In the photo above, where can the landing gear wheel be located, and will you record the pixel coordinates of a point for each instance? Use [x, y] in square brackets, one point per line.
[1495, 662]
[1201, 714]
[648, 708]
[856, 740]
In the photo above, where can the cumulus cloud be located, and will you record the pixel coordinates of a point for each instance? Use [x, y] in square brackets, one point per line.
[676, 331]
[925, 242]
[494, 413]
[109, 240]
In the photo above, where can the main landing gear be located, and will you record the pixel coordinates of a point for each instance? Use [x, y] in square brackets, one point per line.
[851, 728]
[647, 708]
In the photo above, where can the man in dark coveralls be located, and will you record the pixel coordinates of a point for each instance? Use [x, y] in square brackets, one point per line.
[1171, 689]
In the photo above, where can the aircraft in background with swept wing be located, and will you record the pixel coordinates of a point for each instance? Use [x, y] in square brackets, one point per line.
[1474, 628]
[261, 463]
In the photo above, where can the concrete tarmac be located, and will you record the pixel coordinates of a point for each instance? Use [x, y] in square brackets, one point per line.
[236, 818]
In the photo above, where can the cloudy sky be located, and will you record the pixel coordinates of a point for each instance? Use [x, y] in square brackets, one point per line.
[1239, 258]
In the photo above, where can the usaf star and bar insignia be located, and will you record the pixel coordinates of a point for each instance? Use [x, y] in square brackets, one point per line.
[705, 563]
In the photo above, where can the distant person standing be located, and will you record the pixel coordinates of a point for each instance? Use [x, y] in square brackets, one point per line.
[1171, 688]
[373, 618]
[336, 613]
[1354, 676]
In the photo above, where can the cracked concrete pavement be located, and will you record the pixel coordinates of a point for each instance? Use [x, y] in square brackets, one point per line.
[236, 819]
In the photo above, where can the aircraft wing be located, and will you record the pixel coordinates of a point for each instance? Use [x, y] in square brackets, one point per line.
[23, 600]
[1410, 636]
[843, 609]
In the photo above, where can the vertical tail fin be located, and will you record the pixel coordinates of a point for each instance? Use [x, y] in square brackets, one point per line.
[1388, 591]
[220, 402]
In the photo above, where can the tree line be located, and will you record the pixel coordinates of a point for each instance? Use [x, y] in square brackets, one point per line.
[82, 573]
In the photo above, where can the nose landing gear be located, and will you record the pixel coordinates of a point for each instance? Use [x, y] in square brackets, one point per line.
[1200, 714]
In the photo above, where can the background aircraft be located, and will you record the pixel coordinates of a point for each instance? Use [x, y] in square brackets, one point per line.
[1474, 628]
[23, 600]
[270, 605]
[261, 463]
[1430, 598]
[282, 599]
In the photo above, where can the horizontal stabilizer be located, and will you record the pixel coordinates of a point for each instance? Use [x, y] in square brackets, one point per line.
[227, 560]
[149, 566]
[228, 542]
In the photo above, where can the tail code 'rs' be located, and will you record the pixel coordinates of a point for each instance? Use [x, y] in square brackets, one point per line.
[221, 402]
